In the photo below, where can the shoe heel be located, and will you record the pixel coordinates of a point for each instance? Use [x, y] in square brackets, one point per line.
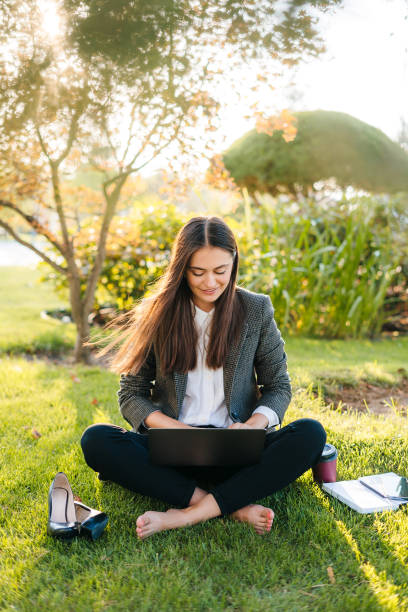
[94, 527]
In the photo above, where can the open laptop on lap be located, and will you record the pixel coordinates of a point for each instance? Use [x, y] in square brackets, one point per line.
[204, 446]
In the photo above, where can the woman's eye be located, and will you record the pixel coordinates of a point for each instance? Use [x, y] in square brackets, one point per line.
[202, 273]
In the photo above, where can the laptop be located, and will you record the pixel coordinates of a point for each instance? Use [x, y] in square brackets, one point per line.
[205, 446]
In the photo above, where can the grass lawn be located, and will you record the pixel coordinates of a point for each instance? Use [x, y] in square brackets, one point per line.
[219, 565]
[22, 298]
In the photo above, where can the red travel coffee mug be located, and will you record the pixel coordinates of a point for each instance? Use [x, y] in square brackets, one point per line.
[325, 470]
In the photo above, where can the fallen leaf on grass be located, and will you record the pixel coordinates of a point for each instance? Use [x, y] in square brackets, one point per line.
[77, 498]
[35, 433]
[330, 574]
[309, 594]
[94, 401]
[75, 379]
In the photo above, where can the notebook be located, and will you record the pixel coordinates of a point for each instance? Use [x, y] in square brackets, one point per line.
[205, 446]
[369, 493]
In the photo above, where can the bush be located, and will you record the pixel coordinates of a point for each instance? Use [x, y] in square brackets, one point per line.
[327, 269]
[328, 145]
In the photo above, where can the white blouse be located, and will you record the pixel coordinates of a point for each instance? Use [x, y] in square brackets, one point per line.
[204, 400]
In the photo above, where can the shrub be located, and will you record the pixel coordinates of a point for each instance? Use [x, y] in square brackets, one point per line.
[328, 145]
[327, 269]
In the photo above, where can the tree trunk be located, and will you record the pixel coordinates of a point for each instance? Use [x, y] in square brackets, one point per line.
[82, 353]
[82, 301]
[80, 313]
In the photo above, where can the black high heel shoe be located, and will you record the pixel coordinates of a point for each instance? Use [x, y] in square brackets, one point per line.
[62, 521]
[91, 522]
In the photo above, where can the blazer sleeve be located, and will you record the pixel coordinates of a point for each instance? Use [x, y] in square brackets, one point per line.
[271, 365]
[135, 393]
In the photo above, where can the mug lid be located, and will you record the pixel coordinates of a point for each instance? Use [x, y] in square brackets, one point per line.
[329, 452]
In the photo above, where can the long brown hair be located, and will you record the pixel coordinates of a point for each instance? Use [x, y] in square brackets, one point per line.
[166, 318]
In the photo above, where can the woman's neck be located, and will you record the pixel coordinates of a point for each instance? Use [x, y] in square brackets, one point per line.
[206, 307]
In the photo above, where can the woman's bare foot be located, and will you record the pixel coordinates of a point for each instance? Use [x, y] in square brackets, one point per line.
[260, 517]
[152, 522]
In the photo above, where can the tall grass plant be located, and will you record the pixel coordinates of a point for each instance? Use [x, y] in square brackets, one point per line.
[326, 268]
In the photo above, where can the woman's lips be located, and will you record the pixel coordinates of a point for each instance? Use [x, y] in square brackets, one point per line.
[209, 291]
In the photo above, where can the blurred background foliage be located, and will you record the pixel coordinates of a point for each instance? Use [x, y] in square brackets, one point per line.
[327, 145]
[329, 268]
[334, 269]
[138, 249]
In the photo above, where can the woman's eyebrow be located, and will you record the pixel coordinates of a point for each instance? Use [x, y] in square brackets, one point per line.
[204, 269]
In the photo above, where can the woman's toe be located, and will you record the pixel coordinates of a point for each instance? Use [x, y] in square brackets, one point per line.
[143, 520]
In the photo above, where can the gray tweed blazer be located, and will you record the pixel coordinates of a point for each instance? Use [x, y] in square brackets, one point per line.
[255, 373]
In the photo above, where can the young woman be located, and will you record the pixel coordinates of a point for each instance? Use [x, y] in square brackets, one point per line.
[203, 351]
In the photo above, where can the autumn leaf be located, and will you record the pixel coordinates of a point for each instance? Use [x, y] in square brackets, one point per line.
[35, 433]
[330, 574]
[75, 379]
[284, 122]
[94, 401]
[218, 176]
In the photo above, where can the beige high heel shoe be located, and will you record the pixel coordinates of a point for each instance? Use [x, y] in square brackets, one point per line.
[62, 521]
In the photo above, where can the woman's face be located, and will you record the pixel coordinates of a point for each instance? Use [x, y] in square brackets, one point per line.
[208, 274]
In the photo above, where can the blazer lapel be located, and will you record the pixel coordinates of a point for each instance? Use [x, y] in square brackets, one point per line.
[231, 365]
[180, 383]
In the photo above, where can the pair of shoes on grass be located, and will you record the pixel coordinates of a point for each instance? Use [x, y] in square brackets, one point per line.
[67, 517]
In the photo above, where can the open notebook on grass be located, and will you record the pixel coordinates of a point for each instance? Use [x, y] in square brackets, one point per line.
[374, 493]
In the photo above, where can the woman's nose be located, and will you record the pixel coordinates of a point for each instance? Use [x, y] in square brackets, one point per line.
[210, 282]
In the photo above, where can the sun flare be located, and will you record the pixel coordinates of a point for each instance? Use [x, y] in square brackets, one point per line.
[51, 20]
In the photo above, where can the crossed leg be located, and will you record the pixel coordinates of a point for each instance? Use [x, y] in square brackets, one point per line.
[114, 452]
[295, 448]
[203, 506]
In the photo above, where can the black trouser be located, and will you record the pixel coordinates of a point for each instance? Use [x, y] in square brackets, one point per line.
[122, 457]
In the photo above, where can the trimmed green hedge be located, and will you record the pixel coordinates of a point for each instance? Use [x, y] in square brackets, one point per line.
[328, 144]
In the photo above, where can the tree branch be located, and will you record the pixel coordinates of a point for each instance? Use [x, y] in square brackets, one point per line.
[110, 143]
[147, 138]
[42, 143]
[54, 164]
[131, 135]
[61, 213]
[111, 202]
[43, 256]
[36, 225]
[73, 128]
[159, 150]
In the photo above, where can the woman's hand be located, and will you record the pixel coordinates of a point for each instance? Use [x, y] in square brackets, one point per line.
[256, 421]
[160, 420]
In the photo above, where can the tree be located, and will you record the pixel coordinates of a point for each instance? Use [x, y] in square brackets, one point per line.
[326, 145]
[113, 86]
